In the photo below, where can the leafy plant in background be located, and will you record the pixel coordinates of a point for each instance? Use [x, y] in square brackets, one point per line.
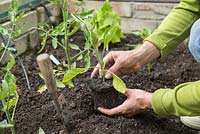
[59, 36]
[100, 30]
[8, 93]
[143, 35]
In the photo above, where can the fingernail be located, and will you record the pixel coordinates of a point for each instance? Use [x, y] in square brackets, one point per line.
[99, 108]
[108, 76]
[91, 76]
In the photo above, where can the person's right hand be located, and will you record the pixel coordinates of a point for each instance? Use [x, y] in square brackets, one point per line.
[126, 62]
[137, 102]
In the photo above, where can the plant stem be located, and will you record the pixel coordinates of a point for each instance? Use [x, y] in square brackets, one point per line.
[6, 47]
[100, 61]
[14, 109]
[8, 43]
[8, 116]
[66, 42]
[67, 51]
[81, 52]
[49, 35]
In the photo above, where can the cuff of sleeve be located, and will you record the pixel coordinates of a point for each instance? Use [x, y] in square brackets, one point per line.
[156, 41]
[158, 100]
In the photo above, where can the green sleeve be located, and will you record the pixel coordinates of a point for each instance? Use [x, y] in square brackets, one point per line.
[183, 100]
[175, 27]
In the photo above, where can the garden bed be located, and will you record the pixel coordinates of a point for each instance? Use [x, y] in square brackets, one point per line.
[35, 110]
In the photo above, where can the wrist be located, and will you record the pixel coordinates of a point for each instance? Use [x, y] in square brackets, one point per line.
[149, 52]
[147, 100]
[143, 99]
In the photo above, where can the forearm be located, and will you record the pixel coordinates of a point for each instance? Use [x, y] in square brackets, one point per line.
[149, 52]
[145, 54]
[176, 26]
[183, 100]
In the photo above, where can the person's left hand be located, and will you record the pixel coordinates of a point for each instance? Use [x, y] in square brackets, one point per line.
[137, 101]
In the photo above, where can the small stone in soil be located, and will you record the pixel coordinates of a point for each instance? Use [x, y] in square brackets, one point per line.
[62, 132]
[72, 105]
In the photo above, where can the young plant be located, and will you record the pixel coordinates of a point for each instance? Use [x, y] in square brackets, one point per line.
[59, 36]
[100, 30]
[8, 93]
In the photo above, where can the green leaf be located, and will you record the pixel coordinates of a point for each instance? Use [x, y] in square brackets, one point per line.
[41, 76]
[17, 32]
[143, 34]
[74, 30]
[94, 39]
[74, 46]
[70, 84]
[19, 18]
[12, 12]
[54, 43]
[109, 35]
[11, 81]
[73, 65]
[118, 84]
[3, 30]
[138, 33]
[86, 13]
[10, 63]
[70, 74]
[59, 30]
[43, 43]
[41, 131]
[1, 48]
[87, 60]
[12, 102]
[8, 86]
[107, 22]
[59, 84]
[42, 89]
[4, 90]
[117, 37]
[80, 57]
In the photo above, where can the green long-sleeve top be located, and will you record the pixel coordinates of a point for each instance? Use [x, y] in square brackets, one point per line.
[185, 98]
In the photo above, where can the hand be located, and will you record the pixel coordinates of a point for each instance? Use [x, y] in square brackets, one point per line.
[137, 101]
[126, 62]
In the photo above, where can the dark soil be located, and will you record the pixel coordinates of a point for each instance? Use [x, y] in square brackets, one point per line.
[104, 93]
[36, 110]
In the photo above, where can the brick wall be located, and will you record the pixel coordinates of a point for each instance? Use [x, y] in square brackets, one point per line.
[134, 15]
[137, 15]
[30, 38]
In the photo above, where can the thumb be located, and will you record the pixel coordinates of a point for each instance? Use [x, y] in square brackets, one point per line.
[110, 112]
[113, 69]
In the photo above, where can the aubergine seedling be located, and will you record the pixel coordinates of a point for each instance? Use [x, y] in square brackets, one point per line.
[59, 36]
[8, 93]
[101, 29]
